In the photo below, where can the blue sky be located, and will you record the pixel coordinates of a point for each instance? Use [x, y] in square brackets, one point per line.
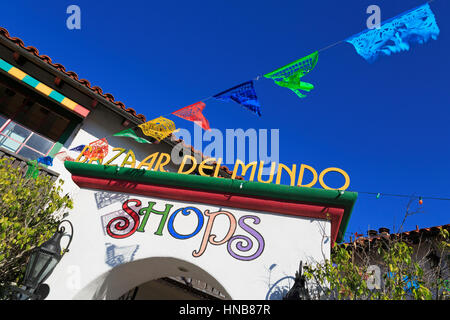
[385, 124]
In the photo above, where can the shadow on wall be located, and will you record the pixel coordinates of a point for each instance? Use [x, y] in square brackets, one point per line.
[116, 255]
[279, 288]
[126, 276]
[104, 199]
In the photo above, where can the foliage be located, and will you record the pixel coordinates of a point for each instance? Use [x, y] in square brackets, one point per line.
[404, 274]
[30, 210]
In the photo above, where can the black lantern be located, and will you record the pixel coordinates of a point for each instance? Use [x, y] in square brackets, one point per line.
[44, 259]
[299, 291]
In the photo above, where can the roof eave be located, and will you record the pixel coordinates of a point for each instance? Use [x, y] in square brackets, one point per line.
[70, 81]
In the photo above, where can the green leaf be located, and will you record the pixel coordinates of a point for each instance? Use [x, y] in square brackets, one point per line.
[36, 203]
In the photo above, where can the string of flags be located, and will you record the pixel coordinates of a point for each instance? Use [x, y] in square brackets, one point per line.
[289, 76]
[194, 113]
[158, 128]
[48, 161]
[130, 133]
[415, 26]
[243, 94]
[32, 170]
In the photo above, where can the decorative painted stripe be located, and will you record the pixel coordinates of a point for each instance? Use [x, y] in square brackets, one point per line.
[5, 66]
[68, 103]
[328, 198]
[44, 89]
[56, 96]
[207, 197]
[81, 111]
[17, 73]
[30, 81]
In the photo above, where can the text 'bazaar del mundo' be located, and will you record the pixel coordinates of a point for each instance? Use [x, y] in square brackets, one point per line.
[156, 161]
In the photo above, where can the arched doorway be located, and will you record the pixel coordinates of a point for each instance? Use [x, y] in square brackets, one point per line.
[154, 278]
[174, 288]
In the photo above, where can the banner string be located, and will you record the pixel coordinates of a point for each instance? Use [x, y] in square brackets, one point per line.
[261, 76]
[382, 194]
[378, 194]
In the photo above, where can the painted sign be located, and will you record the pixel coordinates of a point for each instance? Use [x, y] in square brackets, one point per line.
[157, 161]
[127, 239]
[135, 215]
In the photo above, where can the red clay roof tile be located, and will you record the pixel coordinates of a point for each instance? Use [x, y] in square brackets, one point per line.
[71, 74]
[96, 89]
[430, 231]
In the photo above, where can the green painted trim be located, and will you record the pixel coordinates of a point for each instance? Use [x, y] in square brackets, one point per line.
[249, 188]
[55, 149]
[69, 130]
[66, 134]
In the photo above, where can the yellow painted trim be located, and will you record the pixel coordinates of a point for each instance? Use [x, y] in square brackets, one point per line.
[69, 103]
[19, 74]
[44, 89]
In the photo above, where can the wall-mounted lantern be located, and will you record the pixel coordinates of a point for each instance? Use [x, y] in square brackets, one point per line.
[41, 263]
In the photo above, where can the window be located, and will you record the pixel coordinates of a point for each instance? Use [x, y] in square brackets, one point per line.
[28, 128]
[23, 141]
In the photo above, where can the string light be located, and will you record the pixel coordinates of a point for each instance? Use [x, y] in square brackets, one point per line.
[378, 195]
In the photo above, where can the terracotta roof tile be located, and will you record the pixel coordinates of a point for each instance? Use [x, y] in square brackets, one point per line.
[407, 235]
[70, 74]
[96, 89]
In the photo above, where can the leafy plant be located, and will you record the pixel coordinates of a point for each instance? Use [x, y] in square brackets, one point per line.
[30, 210]
[405, 275]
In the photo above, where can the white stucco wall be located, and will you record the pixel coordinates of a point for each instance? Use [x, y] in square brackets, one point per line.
[101, 267]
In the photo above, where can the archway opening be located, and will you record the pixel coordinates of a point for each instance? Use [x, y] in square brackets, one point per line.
[174, 288]
[161, 278]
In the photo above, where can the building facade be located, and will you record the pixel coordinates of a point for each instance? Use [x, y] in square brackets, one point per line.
[147, 231]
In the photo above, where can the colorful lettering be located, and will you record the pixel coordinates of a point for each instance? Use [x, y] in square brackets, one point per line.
[121, 150]
[122, 223]
[127, 161]
[211, 238]
[93, 153]
[244, 243]
[121, 227]
[185, 211]
[146, 213]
